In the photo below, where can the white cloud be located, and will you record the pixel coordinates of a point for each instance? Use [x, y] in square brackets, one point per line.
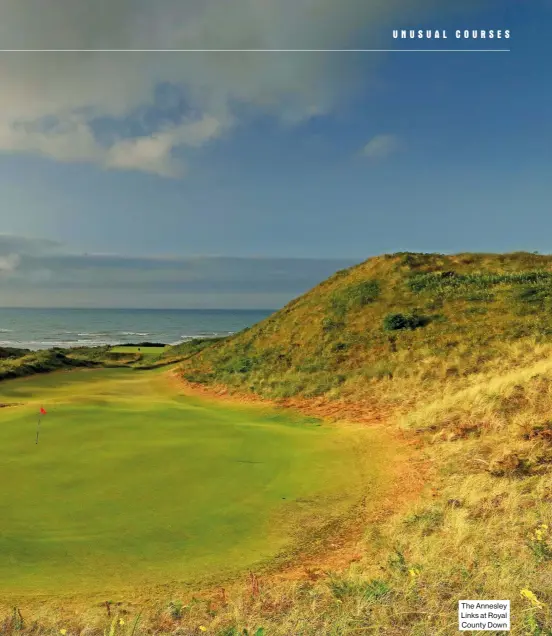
[9, 263]
[15, 249]
[153, 153]
[382, 146]
[73, 140]
[76, 88]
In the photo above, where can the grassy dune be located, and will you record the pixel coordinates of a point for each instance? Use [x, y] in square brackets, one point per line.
[133, 484]
[456, 352]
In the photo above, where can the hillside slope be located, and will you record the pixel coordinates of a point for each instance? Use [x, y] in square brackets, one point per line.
[17, 363]
[456, 351]
[408, 318]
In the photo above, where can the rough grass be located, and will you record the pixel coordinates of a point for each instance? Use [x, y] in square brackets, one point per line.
[190, 347]
[12, 352]
[472, 388]
[134, 485]
[426, 317]
[26, 363]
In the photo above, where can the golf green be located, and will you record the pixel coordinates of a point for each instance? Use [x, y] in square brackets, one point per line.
[146, 351]
[133, 483]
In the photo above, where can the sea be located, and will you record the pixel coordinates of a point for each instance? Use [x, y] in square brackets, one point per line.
[44, 328]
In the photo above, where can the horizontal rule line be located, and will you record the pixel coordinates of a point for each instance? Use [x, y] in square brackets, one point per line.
[254, 50]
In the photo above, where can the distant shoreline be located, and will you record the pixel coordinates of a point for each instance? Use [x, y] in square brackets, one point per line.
[39, 328]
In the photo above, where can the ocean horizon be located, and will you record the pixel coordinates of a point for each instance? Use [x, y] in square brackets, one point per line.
[43, 328]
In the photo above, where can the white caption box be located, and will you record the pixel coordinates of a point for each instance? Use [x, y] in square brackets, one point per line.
[484, 616]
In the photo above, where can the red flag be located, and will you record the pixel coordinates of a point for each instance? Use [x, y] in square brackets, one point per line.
[42, 411]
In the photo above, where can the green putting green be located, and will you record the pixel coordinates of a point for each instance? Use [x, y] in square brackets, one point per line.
[146, 351]
[133, 483]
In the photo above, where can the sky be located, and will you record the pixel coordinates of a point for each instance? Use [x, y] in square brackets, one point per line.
[241, 179]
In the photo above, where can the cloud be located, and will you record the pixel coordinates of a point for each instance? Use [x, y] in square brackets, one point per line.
[14, 248]
[154, 153]
[54, 274]
[382, 146]
[72, 139]
[9, 262]
[52, 101]
[26, 245]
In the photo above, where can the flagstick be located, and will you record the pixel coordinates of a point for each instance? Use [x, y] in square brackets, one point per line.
[37, 428]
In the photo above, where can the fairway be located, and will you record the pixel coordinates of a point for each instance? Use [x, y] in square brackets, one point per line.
[146, 351]
[133, 483]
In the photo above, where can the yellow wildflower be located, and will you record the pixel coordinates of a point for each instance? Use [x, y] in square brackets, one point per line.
[63, 631]
[414, 572]
[531, 597]
[121, 621]
[202, 628]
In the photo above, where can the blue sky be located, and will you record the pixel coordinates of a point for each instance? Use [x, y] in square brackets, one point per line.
[325, 158]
